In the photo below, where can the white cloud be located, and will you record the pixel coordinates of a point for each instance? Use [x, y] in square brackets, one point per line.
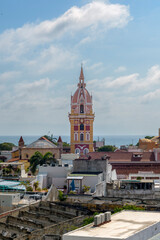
[151, 96]
[91, 17]
[42, 84]
[9, 75]
[121, 69]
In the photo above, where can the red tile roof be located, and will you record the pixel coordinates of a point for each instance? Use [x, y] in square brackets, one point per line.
[21, 140]
[59, 139]
[121, 156]
[13, 160]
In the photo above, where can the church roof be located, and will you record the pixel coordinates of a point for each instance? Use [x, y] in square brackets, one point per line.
[21, 140]
[59, 139]
[42, 143]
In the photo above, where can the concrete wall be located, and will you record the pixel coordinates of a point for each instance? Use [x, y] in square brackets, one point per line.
[27, 153]
[90, 166]
[57, 229]
[59, 182]
[100, 189]
[42, 179]
[56, 175]
[92, 181]
[8, 199]
[150, 194]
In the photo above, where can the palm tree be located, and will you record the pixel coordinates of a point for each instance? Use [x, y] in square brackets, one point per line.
[40, 159]
[35, 184]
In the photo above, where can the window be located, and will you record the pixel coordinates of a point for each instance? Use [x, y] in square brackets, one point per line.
[87, 136]
[85, 151]
[81, 137]
[81, 108]
[75, 128]
[87, 128]
[82, 126]
[75, 136]
[77, 150]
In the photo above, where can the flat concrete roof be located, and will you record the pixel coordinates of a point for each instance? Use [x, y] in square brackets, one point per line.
[122, 226]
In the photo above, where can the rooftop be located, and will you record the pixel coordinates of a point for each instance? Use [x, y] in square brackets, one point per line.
[121, 156]
[42, 143]
[123, 225]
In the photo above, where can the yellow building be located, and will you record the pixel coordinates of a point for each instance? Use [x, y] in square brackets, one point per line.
[42, 145]
[150, 144]
[81, 119]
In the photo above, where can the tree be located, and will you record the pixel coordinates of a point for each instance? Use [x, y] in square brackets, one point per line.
[36, 184]
[107, 148]
[3, 158]
[149, 137]
[35, 161]
[6, 146]
[39, 159]
[51, 138]
[65, 144]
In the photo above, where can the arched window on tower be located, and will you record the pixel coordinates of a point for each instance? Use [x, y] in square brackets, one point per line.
[82, 126]
[81, 108]
[81, 137]
[77, 150]
[85, 151]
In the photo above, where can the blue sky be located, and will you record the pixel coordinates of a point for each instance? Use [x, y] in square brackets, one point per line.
[42, 45]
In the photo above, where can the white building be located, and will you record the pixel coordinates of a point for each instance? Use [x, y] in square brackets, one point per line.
[8, 201]
[49, 175]
[126, 225]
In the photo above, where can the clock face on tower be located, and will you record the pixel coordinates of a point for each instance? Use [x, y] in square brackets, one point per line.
[81, 120]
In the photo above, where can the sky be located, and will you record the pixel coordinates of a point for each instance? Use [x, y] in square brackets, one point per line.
[42, 46]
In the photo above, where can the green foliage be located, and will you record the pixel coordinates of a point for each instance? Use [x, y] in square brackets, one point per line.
[35, 184]
[89, 220]
[51, 138]
[35, 161]
[86, 188]
[29, 189]
[128, 207]
[107, 148]
[72, 192]
[139, 178]
[6, 170]
[149, 137]
[3, 158]
[39, 159]
[61, 196]
[39, 189]
[65, 144]
[6, 146]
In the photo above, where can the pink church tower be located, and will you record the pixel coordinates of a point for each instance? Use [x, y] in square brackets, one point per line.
[81, 119]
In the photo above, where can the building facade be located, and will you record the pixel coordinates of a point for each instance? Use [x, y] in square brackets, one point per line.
[81, 119]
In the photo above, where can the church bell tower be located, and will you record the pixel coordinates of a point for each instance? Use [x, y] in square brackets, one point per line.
[81, 119]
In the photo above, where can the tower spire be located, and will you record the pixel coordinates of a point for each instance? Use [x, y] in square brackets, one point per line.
[81, 77]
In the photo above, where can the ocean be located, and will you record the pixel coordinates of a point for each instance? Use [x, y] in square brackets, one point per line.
[116, 140]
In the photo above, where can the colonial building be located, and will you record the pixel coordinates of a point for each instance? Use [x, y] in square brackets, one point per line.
[81, 119]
